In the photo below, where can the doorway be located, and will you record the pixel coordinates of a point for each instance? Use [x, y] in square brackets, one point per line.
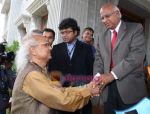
[131, 12]
[131, 17]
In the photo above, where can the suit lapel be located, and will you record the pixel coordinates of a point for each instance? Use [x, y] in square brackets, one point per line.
[65, 52]
[121, 33]
[107, 42]
[76, 51]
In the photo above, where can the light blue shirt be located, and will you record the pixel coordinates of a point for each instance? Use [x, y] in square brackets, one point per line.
[71, 48]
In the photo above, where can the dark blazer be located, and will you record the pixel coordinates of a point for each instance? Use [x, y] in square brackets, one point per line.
[128, 56]
[81, 63]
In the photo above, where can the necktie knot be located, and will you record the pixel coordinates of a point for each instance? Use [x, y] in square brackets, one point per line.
[114, 32]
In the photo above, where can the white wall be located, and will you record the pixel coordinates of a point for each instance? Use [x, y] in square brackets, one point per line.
[77, 9]
[12, 33]
[54, 10]
[2, 17]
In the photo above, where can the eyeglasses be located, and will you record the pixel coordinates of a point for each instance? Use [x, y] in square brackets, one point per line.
[66, 32]
[107, 16]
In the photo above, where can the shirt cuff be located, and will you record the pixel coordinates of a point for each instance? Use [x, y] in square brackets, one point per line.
[114, 75]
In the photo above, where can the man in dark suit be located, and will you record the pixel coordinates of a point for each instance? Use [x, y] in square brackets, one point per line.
[119, 59]
[73, 58]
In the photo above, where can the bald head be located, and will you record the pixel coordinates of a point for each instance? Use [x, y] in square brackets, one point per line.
[110, 15]
[109, 6]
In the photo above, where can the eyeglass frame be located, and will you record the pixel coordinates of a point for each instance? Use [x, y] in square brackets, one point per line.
[66, 32]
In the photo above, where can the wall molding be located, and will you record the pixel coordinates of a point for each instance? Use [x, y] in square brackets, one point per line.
[35, 5]
[5, 6]
[23, 19]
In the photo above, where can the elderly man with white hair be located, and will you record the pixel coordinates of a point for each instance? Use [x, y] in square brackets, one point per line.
[33, 92]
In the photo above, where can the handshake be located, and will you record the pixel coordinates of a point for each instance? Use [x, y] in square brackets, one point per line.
[99, 82]
[96, 85]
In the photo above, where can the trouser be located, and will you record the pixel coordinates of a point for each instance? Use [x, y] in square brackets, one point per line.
[87, 109]
[114, 101]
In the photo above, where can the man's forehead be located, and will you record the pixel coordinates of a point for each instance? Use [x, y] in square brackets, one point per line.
[65, 29]
[106, 8]
[40, 38]
[45, 33]
[88, 31]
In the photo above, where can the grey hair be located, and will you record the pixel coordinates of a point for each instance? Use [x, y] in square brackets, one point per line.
[115, 8]
[22, 55]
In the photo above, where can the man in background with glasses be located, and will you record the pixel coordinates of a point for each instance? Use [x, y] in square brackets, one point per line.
[73, 58]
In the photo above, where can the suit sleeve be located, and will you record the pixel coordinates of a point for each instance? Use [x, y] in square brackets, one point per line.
[89, 60]
[67, 99]
[135, 57]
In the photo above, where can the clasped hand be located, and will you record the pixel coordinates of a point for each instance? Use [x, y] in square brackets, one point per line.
[96, 86]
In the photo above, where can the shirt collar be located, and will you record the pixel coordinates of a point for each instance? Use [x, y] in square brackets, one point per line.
[117, 28]
[72, 43]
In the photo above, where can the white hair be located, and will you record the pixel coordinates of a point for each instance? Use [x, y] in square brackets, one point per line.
[22, 55]
[115, 8]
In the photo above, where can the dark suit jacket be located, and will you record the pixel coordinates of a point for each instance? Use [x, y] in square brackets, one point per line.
[81, 63]
[128, 55]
